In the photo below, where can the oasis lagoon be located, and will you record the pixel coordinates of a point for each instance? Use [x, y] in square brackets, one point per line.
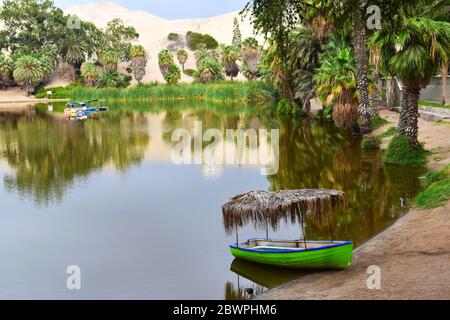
[105, 195]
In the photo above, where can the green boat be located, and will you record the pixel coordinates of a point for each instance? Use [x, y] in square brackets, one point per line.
[267, 208]
[299, 254]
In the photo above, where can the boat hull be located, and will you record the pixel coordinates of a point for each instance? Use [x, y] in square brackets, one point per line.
[332, 256]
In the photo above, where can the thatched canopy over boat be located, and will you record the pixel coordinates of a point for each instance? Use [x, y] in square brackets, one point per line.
[269, 207]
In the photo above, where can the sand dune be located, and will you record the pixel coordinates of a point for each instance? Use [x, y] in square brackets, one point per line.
[153, 30]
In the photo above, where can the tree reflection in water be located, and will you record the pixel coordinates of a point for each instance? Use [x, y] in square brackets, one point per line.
[47, 153]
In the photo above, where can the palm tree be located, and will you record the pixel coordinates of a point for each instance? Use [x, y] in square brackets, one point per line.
[110, 60]
[89, 73]
[303, 58]
[6, 68]
[28, 72]
[230, 55]
[138, 61]
[209, 69]
[252, 56]
[165, 60]
[182, 56]
[414, 53]
[173, 75]
[336, 83]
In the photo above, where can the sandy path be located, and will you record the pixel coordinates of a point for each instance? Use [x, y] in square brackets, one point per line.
[414, 257]
[14, 94]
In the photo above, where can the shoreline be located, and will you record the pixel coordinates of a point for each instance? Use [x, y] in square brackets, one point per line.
[413, 265]
[412, 254]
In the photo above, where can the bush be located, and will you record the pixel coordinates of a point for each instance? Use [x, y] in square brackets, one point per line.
[326, 114]
[432, 177]
[400, 152]
[57, 92]
[284, 108]
[173, 36]
[437, 190]
[113, 79]
[173, 75]
[195, 39]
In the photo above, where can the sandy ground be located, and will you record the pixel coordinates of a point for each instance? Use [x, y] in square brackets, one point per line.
[14, 94]
[413, 256]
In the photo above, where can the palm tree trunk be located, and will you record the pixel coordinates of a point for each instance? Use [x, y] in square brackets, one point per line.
[411, 128]
[444, 84]
[403, 113]
[359, 39]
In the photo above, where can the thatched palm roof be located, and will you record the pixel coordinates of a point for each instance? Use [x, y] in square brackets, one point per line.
[269, 207]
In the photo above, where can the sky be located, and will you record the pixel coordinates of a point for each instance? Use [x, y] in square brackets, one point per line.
[171, 9]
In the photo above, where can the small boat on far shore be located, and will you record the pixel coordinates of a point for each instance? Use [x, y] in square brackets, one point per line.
[81, 110]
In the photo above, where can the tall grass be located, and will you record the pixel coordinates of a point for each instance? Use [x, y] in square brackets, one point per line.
[226, 92]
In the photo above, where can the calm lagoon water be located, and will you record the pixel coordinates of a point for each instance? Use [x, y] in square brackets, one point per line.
[105, 195]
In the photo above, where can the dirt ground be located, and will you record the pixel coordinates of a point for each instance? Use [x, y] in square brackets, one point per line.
[413, 256]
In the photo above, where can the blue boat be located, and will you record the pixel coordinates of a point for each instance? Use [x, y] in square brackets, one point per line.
[82, 110]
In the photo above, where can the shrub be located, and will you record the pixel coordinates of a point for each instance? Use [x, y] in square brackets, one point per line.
[326, 114]
[432, 177]
[209, 69]
[173, 75]
[113, 79]
[173, 36]
[194, 39]
[57, 92]
[437, 190]
[400, 152]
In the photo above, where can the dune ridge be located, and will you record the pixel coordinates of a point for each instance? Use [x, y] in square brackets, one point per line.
[153, 30]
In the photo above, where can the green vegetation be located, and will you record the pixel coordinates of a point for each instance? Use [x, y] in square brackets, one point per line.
[251, 92]
[369, 144]
[433, 104]
[388, 133]
[251, 53]
[138, 61]
[195, 40]
[336, 82]
[400, 152]
[405, 52]
[378, 122]
[89, 73]
[169, 69]
[57, 92]
[208, 66]
[437, 189]
[173, 36]
[237, 36]
[182, 56]
[113, 79]
[29, 72]
[37, 36]
[230, 56]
